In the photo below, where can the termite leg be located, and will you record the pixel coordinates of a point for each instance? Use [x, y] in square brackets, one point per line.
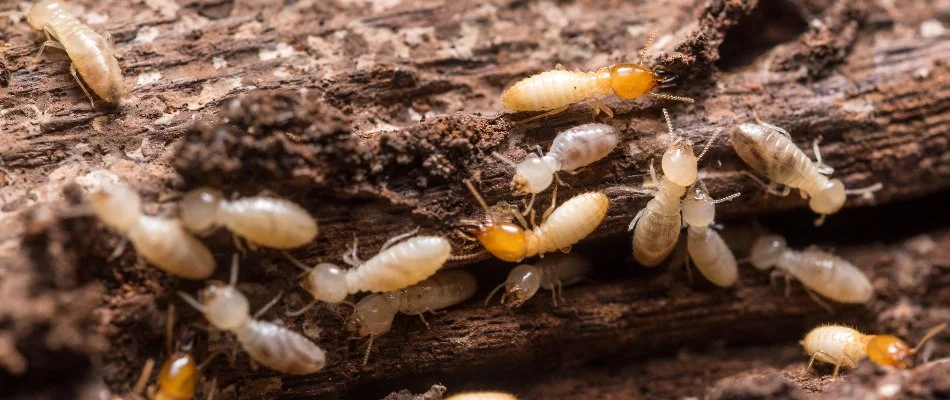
[49, 43]
[143, 377]
[554, 295]
[119, 249]
[633, 223]
[819, 301]
[542, 115]
[302, 310]
[834, 375]
[529, 206]
[656, 181]
[547, 213]
[397, 238]
[821, 219]
[268, 305]
[822, 167]
[560, 291]
[770, 126]
[599, 107]
[689, 271]
[72, 70]
[424, 322]
[351, 258]
[769, 187]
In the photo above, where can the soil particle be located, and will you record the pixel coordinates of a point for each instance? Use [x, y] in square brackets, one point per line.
[827, 43]
[434, 393]
[768, 385]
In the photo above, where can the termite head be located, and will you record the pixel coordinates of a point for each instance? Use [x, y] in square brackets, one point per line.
[224, 306]
[522, 284]
[890, 351]
[629, 80]
[178, 376]
[533, 175]
[830, 199]
[664, 78]
[372, 316]
[504, 240]
[41, 12]
[326, 282]
[766, 251]
[680, 164]
[198, 209]
[699, 209]
[118, 206]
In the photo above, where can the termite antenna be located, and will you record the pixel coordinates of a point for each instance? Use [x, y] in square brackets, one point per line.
[478, 197]
[191, 301]
[504, 159]
[709, 144]
[369, 347]
[293, 260]
[671, 97]
[301, 310]
[646, 47]
[866, 192]
[235, 259]
[669, 125]
[930, 334]
[495, 290]
[727, 198]
[143, 377]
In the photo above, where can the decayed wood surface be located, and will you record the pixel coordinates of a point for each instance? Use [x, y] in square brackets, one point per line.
[335, 126]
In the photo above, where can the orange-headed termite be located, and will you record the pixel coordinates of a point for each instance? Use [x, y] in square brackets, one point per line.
[827, 274]
[271, 345]
[92, 55]
[395, 267]
[551, 273]
[769, 150]
[707, 250]
[559, 230]
[554, 91]
[373, 315]
[265, 221]
[844, 346]
[163, 242]
[179, 374]
[656, 228]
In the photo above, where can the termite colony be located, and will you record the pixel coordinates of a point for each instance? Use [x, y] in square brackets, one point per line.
[405, 275]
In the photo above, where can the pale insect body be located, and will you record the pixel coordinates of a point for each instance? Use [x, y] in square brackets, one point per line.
[554, 91]
[162, 242]
[551, 273]
[707, 250]
[567, 225]
[265, 221]
[92, 56]
[572, 149]
[656, 228]
[393, 268]
[844, 346]
[769, 150]
[828, 275]
[268, 344]
[374, 314]
[483, 396]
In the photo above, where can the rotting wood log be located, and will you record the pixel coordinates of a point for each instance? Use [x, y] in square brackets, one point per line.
[335, 124]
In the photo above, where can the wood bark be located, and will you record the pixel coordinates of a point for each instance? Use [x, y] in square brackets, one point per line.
[372, 115]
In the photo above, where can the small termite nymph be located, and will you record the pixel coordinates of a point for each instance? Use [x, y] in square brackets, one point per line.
[707, 250]
[92, 56]
[160, 241]
[268, 344]
[265, 221]
[559, 230]
[482, 396]
[373, 315]
[551, 273]
[769, 150]
[179, 374]
[554, 91]
[572, 149]
[827, 274]
[395, 267]
[843, 346]
[656, 228]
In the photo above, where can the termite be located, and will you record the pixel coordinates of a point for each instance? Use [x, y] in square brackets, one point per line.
[769, 150]
[394, 267]
[482, 396]
[551, 273]
[708, 251]
[265, 221]
[572, 149]
[92, 55]
[844, 346]
[657, 226]
[554, 91]
[179, 374]
[828, 275]
[163, 242]
[373, 315]
[271, 345]
[561, 228]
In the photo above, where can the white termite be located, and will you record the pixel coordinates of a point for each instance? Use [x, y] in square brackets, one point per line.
[656, 228]
[551, 273]
[395, 267]
[770, 151]
[483, 396]
[572, 149]
[844, 346]
[92, 56]
[827, 274]
[707, 250]
[160, 241]
[373, 315]
[265, 221]
[271, 345]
